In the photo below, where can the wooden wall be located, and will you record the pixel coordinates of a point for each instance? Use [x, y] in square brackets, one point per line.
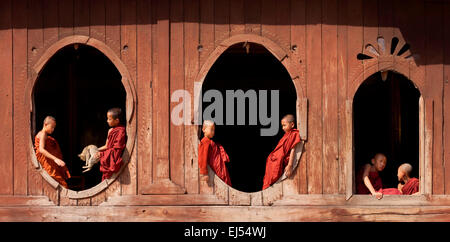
[164, 44]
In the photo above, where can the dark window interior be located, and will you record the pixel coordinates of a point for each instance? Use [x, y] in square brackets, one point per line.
[386, 120]
[252, 67]
[77, 86]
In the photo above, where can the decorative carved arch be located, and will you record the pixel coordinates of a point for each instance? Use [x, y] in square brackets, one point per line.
[131, 102]
[273, 192]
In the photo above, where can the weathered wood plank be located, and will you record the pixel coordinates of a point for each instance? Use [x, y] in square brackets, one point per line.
[51, 22]
[349, 162]
[18, 200]
[112, 29]
[66, 18]
[428, 153]
[447, 98]
[230, 214]
[298, 38]
[164, 200]
[237, 16]
[330, 98]
[6, 97]
[221, 21]
[35, 50]
[144, 79]
[20, 52]
[81, 17]
[176, 83]
[269, 19]
[385, 27]
[355, 43]
[434, 80]
[342, 76]
[370, 31]
[97, 17]
[128, 177]
[252, 18]
[314, 145]
[191, 67]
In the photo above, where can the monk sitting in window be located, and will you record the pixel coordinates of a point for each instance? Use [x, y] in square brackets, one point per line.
[213, 154]
[49, 154]
[111, 153]
[407, 185]
[368, 180]
[282, 157]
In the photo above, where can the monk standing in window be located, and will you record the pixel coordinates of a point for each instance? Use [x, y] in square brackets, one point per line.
[49, 154]
[407, 185]
[111, 153]
[212, 154]
[282, 157]
[368, 180]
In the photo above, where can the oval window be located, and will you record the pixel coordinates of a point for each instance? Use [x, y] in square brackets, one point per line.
[241, 75]
[77, 86]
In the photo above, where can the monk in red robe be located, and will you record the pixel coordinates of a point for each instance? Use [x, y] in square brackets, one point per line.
[49, 154]
[407, 185]
[368, 180]
[212, 154]
[282, 157]
[111, 153]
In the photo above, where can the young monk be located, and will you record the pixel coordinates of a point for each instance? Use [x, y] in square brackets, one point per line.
[282, 157]
[111, 153]
[49, 154]
[212, 154]
[407, 185]
[368, 180]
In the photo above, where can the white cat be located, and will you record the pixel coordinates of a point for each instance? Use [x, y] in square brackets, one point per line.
[88, 155]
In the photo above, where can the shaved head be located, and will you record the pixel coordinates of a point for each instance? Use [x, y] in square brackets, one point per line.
[289, 118]
[208, 123]
[49, 119]
[379, 155]
[406, 168]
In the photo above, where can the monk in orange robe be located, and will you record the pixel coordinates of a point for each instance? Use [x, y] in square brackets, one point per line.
[213, 154]
[49, 154]
[368, 180]
[407, 185]
[282, 157]
[111, 153]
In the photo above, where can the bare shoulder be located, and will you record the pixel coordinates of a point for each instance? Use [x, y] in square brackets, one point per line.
[41, 135]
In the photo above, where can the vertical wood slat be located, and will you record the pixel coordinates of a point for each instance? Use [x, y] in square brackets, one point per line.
[221, 21]
[385, 21]
[20, 58]
[207, 36]
[428, 142]
[342, 73]
[348, 151]
[237, 16]
[81, 18]
[128, 56]
[446, 107]
[298, 38]
[191, 66]
[176, 83]
[97, 20]
[434, 80]
[421, 145]
[314, 93]
[370, 28]
[252, 18]
[6, 97]
[330, 98]
[66, 18]
[144, 78]
[35, 50]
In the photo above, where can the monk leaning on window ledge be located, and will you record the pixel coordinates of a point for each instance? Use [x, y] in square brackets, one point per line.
[212, 154]
[111, 153]
[282, 157]
[49, 154]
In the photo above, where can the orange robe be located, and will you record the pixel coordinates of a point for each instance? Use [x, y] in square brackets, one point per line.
[215, 156]
[411, 187]
[60, 174]
[279, 157]
[111, 158]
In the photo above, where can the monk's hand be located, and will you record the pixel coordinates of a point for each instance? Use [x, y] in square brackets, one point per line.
[205, 178]
[378, 195]
[288, 171]
[59, 162]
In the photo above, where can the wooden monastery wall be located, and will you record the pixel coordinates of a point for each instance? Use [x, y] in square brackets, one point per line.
[168, 45]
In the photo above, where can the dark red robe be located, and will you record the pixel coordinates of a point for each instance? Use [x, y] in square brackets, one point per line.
[111, 158]
[390, 191]
[411, 187]
[215, 156]
[279, 157]
[374, 178]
